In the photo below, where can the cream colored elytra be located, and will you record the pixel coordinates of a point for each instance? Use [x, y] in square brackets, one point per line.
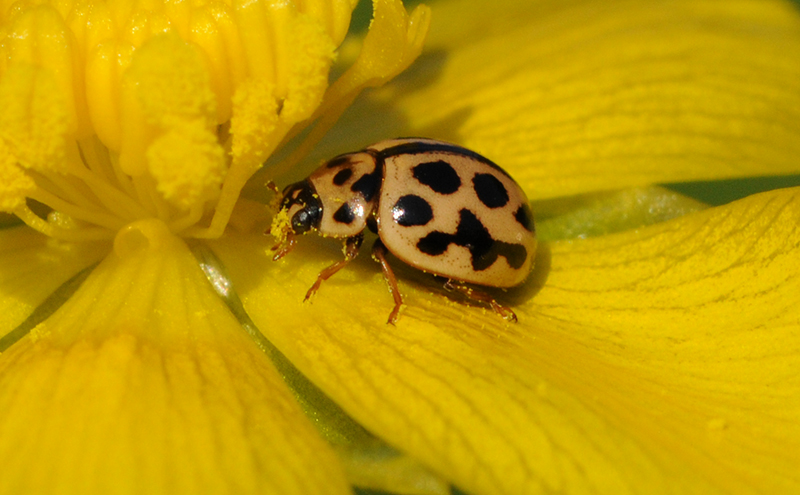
[436, 206]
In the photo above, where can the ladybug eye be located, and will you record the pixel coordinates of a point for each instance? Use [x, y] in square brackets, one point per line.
[306, 219]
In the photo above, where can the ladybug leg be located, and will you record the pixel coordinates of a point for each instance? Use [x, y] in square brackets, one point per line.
[283, 247]
[351, 246]
[379, 255]
[478, 295]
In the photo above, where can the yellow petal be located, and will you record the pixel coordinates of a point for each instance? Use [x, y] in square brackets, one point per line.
[582, 96]
[653, 361]
[368, 462]
[143, 382]
[32, 266]
[689, 333]
[396, 381]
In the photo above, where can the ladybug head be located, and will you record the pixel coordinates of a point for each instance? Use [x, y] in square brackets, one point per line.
[300, 211]
[302, 206]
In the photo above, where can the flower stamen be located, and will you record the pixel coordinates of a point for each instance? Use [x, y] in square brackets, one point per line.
[77, 212]
[168, 116]
[393, 42]
[31, 219]
[112, 197]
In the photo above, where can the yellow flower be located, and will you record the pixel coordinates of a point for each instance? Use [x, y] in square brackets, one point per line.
[128, 129]
[661, 358]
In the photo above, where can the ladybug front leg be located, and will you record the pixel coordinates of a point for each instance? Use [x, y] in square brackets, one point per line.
[379, 255]
[351, 247]
[478, 295]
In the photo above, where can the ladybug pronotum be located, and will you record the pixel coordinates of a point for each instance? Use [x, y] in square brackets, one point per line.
[436, 206]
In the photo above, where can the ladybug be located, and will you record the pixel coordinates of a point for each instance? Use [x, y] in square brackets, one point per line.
[436, 206]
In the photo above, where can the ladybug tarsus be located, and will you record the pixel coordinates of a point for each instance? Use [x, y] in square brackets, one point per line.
[351, 247]
[478, 295]
[284, 246]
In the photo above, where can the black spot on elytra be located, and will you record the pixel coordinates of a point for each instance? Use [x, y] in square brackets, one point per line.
[490, 190]
[342, 175]
[439, 176]
[515, 254]
[368, 185]
[338, 161]
[435, 243]
[344, 214]
[411, 210]
[472, 235]
[524, 216]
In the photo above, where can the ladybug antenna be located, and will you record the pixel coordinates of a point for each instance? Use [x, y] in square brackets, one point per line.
[273, 187]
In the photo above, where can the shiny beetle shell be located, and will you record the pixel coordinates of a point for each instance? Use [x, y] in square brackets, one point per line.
[456, 214]
[436, 206]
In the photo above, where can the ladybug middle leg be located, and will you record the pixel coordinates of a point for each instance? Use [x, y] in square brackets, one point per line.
[478, 295]
[351, 247]
[379, 255]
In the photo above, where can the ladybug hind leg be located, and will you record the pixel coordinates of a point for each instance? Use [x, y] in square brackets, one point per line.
[480, 296]
[351, 247]
[379, 255]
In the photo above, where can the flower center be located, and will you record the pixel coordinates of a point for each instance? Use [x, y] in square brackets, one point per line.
[111, 116]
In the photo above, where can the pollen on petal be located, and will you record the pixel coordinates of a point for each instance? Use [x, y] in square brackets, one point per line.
[35, 121]
[166, 86]
[254, 120]
[188, 165]
[307, 79]
[39, 36]
[172, 81]
[212, 28]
